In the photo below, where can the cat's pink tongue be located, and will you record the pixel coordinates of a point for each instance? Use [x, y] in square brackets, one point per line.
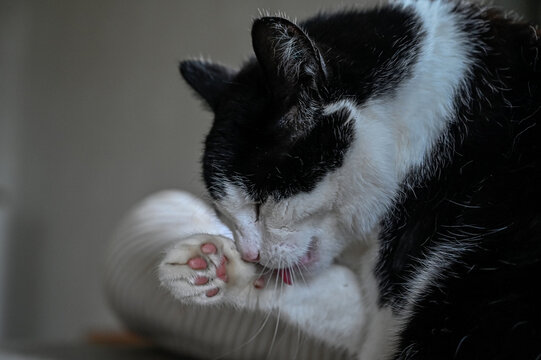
[286, 275]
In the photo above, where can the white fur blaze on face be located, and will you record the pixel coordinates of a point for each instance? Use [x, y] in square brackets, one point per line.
[238, 212]
[300, 232]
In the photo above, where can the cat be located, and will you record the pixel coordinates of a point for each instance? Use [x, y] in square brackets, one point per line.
[378, 171]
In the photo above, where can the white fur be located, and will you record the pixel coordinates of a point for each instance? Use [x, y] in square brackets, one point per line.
[393, 135]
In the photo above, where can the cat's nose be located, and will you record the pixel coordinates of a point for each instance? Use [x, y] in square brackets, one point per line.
[250, 256]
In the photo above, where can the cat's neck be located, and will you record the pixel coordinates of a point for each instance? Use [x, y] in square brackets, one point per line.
[420, 111]
[397, 131]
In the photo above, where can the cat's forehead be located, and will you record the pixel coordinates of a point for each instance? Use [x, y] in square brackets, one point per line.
[269, 160]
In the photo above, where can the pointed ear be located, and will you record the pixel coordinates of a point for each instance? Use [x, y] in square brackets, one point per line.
[287, 55]
[209, 80]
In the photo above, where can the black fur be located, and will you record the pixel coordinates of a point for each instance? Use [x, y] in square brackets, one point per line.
[207, 79]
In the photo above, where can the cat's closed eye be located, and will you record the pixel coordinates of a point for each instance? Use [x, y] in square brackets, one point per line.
[257, 210]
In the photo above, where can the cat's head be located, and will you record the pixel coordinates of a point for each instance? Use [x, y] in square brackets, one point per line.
[279, 161]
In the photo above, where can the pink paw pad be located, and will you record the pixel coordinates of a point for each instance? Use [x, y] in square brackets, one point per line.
[197, 263]
[201, 280]
[208, 248]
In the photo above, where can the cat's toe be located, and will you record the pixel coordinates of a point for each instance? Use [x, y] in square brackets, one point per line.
[197, 263]
[209, 248]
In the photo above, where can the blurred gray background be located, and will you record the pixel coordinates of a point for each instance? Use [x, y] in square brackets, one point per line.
[93, 117]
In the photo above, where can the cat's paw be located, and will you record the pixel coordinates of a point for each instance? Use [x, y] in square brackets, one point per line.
[204, 268]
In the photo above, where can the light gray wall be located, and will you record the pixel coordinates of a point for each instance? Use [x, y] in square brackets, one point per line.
[12, 39]
[93, 117]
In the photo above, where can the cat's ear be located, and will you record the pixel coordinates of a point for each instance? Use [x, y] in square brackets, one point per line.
[208, 79]
[289, 58]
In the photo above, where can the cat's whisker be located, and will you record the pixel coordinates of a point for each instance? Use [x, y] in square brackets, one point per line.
[276, 280]
[293, 276]
[250, 340]
[274, 334]
[297, 273]
[279, 311]
[262, 272]
[268, 270]
[299, 343]
[301, 275]
[306, 269]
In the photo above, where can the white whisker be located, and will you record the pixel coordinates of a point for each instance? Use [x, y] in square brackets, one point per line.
[251, 339]
[279, 310]
[301, 275]
[292, 280]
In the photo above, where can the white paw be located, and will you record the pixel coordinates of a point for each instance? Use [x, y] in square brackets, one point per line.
[204, 269]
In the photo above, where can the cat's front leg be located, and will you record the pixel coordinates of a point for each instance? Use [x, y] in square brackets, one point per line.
[208, 269]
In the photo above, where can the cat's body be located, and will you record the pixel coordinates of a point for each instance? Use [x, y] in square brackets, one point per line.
[388, 161]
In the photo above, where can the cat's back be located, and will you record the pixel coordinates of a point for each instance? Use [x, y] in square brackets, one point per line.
[479, 204]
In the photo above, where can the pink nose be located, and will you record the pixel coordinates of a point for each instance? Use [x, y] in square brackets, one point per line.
[250, 256]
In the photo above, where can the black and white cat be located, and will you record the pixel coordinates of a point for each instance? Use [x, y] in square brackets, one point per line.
[379, 173]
